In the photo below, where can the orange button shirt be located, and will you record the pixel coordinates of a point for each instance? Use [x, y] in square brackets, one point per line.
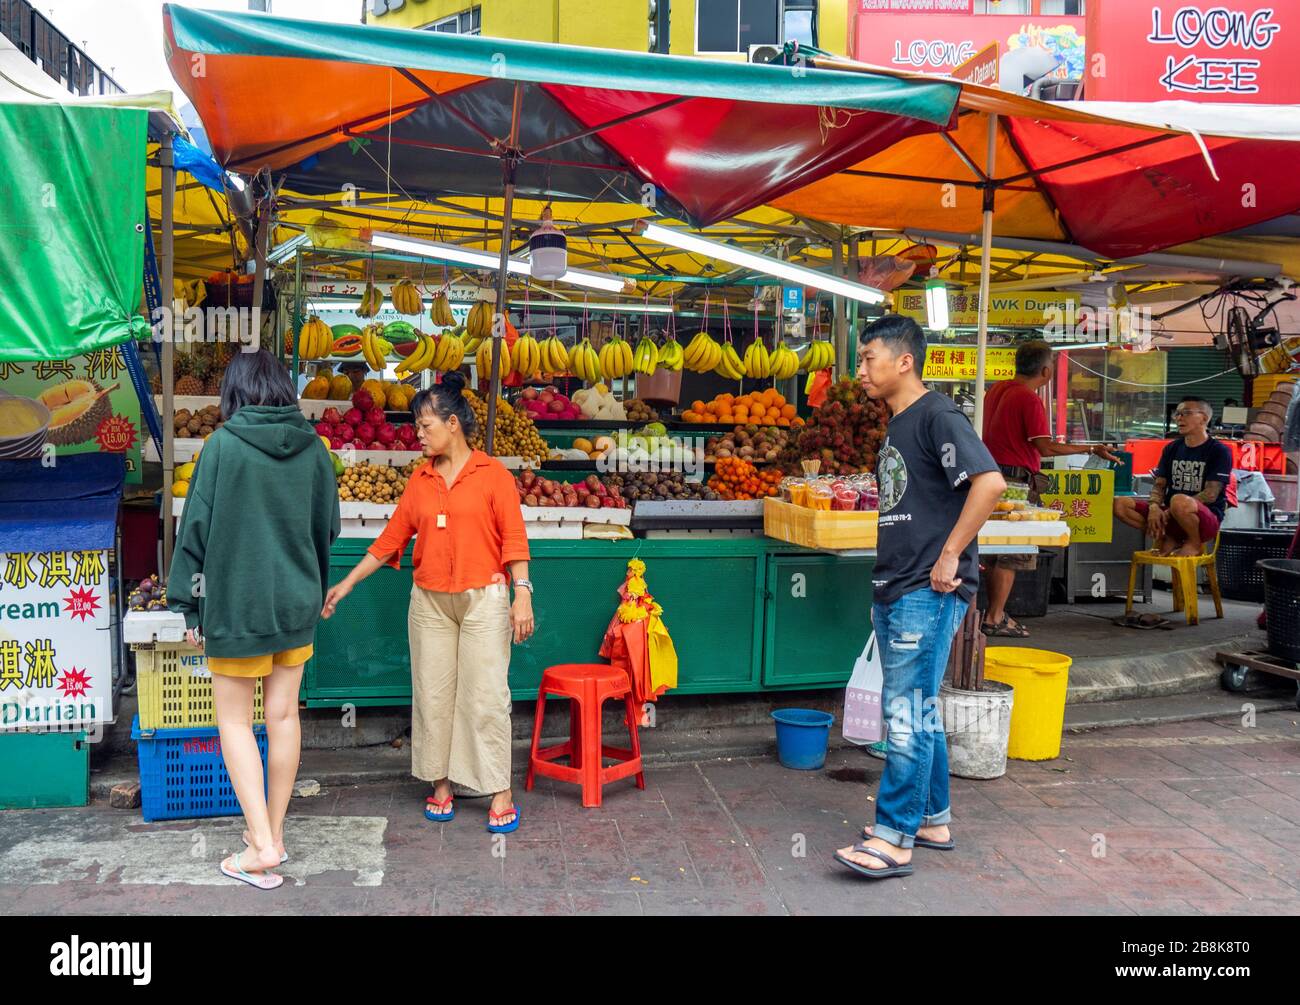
[482, 532]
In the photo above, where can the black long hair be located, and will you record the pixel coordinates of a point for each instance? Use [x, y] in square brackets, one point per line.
[255, 378]
[445, 400]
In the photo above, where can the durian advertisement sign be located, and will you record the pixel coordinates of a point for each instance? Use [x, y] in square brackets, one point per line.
[56, 666]
[71, 406]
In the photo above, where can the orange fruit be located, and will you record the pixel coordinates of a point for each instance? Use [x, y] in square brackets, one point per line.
[697, 406]
[787, 411]
[783, 421]
[758, 411]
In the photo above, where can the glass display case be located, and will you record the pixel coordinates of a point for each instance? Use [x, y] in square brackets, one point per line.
[1115, 395]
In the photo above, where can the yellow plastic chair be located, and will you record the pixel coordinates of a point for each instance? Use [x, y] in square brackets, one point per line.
[1184, 574]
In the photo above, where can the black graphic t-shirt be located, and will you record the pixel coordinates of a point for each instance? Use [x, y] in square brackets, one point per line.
[1186, 470]
[924, 468]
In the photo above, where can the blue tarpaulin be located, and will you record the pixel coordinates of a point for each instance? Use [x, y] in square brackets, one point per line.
[71, 506]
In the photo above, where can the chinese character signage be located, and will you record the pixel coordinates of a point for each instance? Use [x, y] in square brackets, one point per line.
[958, 363]
[1172, 49]
[1006, 310]
[90, 401]
[1085, 498]
[56, 665]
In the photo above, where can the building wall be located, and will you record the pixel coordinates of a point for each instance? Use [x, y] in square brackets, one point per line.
[610, 24]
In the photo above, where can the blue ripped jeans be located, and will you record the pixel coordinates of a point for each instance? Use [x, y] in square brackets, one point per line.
[914, 634]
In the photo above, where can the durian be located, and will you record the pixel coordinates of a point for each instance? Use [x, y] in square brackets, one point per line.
[77, 407]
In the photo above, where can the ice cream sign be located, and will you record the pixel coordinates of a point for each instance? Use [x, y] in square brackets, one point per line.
[1194, 51]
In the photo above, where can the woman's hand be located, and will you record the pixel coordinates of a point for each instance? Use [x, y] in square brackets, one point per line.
[337, 592]
[194, 636]
[521, 615]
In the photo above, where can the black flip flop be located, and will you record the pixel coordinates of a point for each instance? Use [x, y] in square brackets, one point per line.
[948, 845]
[1004, 630]
[1145, 622]
[894, 869]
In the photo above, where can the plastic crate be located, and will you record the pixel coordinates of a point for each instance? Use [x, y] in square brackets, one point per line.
[1240, 578]
[182, 774]
[1282, 604]
[1031, 592]
[822, 529]
[174, 686]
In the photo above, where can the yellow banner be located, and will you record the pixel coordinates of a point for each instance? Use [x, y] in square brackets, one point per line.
[1006, 310]
[1085, 498]
[957, 362]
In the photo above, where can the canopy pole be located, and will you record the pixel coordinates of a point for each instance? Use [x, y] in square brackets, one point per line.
[167, 270]
[839, 324]
[509, 161]
[986, 252]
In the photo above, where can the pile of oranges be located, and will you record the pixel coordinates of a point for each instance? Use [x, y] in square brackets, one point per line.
[758, 408]
[736, 478]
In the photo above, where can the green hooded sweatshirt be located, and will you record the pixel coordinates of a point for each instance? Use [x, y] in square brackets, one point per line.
[251, 564]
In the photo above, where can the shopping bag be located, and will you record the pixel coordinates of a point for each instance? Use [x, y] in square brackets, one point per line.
[862, 722]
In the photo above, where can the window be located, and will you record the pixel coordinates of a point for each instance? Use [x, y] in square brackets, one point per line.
[467, 22]
[1003, 7]
[735, 25]
[1069, 8]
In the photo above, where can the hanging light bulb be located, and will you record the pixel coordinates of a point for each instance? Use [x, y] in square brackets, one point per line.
[936, 304]
[548, 250]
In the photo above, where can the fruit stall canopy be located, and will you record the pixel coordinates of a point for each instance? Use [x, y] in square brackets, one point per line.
[422, 113]
[72, 232]
[1117, 178]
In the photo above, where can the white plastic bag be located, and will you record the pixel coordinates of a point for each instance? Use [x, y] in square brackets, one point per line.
[862, 719]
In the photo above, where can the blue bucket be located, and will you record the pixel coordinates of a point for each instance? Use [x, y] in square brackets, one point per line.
[802, 736]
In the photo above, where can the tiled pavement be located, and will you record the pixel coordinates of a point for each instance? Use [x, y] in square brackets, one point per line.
[1190, 818]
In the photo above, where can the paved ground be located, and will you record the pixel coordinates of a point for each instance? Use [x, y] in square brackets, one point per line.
[1182, 818]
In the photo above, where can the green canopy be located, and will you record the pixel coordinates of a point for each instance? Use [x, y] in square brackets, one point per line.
[72, 229]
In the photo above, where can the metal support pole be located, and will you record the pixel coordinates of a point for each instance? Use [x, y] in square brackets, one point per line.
[839, 324]
[986, 250]
[851, 350]
[167, 273]
[500, 316]
[263, 227]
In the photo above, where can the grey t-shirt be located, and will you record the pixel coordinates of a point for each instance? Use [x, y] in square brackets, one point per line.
[924, 468]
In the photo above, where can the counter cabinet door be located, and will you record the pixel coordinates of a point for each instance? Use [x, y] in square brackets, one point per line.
[818, 618]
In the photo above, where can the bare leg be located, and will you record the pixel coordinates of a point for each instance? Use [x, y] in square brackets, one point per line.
[501, 803]
[1186, 511]
[1000, 582]
[284, 743]
[233, 700]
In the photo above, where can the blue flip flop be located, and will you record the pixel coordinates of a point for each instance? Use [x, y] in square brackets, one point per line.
[892, 867]
[445, 815]
[504, 828]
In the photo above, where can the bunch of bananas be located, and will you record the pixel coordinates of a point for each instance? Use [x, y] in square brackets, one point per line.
[483, 359]
[315, 340]
[420, 358]
[526, 357]
[758, 361]
[371, 302]
[406, 298]
[818, 356]
[615, 358]
[670, 356]
[646, 357]
[440, 311]
[584, 362]
[479, 322]
[729, 364]
[555, 358]
[374, 347]
[784, 363]
[702, 353]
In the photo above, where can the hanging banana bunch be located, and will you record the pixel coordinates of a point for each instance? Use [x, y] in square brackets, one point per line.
[315, 340]
[729, 364]
[757, 363]
[646, 358]
[449, 354]
[374, 347]
[372, 300]
[555, 358]
[818, 356]
[670, 355]
[584, 362]
[478, 325]
[483, 359]
[421, 357]
[406, 298]
[440, 311]
[784, 363]
[615, 358]
[526, 357]
[702, 353]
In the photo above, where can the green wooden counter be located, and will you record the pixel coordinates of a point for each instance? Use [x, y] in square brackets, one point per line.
[746, 614]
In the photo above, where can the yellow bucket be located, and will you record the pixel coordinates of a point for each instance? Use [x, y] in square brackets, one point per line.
[1038, 713]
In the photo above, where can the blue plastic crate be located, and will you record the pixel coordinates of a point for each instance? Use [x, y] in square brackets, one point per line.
[182, 774]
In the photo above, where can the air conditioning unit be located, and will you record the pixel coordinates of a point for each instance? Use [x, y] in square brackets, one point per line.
[765, 53]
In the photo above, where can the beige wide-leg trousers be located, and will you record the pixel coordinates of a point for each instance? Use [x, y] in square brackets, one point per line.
[460, 705]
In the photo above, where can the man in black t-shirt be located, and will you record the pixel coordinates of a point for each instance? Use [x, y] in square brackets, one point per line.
[1189, 496]
[938, 484]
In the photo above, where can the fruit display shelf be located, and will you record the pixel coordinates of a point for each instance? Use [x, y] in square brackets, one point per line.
[697, 514]
[367, 520]
[192, 402]
[314, 408]
[183, 449]
[586, 425]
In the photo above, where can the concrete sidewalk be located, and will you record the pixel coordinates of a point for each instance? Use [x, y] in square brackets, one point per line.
[1182, 818]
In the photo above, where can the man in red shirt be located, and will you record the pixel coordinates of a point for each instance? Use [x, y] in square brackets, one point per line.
[1018, 437]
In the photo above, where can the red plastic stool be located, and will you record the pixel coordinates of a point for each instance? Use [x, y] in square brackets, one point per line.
[587, 686]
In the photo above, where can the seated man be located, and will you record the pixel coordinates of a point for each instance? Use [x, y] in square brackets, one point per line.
[1188, 498]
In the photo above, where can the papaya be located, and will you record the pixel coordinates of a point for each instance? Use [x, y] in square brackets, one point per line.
[347, 345]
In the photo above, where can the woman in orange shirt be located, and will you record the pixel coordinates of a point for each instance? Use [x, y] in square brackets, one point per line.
[470, 546]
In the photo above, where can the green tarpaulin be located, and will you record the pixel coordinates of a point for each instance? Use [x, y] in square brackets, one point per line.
[72, 216]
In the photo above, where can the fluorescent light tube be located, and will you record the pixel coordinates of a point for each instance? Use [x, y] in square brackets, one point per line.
[936, 305]
[759, 263]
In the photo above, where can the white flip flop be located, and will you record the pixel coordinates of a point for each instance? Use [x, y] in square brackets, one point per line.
[260, 881]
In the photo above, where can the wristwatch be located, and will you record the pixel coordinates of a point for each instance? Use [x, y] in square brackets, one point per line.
[527, 584]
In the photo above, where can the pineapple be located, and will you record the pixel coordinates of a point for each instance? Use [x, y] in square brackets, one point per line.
[188, 382]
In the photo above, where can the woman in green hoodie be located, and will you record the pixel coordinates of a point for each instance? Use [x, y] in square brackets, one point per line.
[249, 573]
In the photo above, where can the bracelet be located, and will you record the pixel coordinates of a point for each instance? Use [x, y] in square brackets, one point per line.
[526, 584]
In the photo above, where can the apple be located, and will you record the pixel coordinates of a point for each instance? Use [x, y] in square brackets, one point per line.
[529, 393]
[546, 397]
[556, 408]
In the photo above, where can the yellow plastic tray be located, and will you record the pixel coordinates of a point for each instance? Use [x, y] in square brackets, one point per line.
[174, 687]
[812, 528]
